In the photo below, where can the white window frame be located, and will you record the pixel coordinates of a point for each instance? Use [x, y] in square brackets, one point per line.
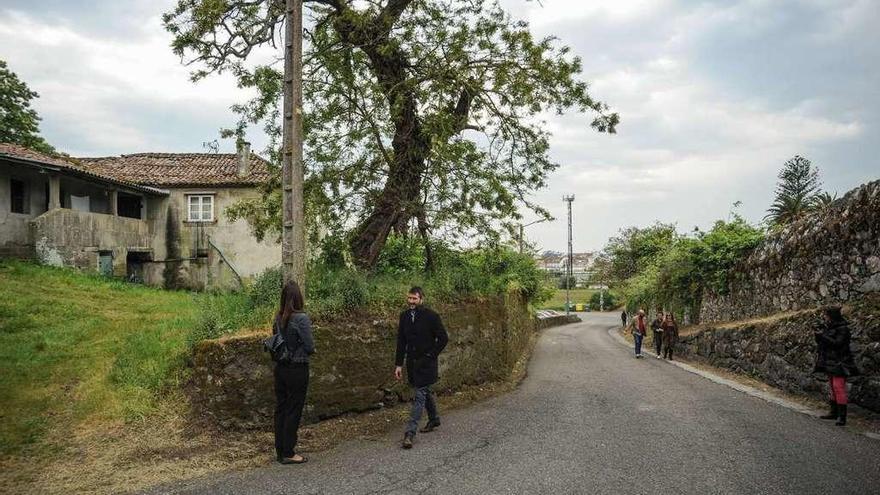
[199, 201]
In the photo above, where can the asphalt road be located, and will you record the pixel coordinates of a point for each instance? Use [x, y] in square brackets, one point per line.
[590, 418]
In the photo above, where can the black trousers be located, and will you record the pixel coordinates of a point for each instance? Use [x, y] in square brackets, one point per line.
[658, 342]
[291, 384]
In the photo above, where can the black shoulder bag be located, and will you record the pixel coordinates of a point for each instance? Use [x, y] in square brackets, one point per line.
[278, 349]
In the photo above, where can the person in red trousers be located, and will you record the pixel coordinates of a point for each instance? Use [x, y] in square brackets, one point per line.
[835, 359]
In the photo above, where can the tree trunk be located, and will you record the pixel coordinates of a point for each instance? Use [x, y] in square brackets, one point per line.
[401, 189]
[423, 230]
[400, 196]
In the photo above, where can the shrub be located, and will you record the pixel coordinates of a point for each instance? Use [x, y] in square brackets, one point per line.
[677, 278]
[334, 289]
[266, 288]
[609, 300]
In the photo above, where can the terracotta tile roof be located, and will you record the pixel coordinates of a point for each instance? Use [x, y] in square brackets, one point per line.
[181, 169]
[68, 164]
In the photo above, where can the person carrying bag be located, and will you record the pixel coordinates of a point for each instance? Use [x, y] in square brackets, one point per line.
[290, 346]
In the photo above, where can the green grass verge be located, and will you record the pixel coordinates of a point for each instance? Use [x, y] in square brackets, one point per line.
[76, 348]
[577, 296]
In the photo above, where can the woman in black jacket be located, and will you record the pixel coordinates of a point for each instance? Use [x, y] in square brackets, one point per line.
[291, 378]
[835, 358]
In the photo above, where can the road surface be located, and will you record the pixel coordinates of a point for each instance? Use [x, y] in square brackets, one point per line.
[591, 419]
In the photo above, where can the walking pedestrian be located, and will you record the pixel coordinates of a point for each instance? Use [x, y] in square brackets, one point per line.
[657, 333]
[292, 376]
[835, 359]
[639, 330]
[421, 338]
[670, 335]
[623, 318]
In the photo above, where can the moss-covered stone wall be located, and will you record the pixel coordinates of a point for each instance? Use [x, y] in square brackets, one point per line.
[351, 370]
[831, 257]
[781, 350]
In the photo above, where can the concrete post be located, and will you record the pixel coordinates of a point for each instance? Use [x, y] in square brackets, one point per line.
[114, 202]
[54, 192]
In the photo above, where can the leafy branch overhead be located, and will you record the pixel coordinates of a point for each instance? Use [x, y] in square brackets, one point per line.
[19, 123]
[425, 114]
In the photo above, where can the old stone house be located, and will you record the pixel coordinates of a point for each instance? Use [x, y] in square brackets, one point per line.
[152, 217]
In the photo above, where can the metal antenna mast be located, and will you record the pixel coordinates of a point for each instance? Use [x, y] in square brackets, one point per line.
[568, 271]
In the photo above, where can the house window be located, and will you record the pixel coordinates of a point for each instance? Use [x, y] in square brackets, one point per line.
[19, 197]
[201, 208]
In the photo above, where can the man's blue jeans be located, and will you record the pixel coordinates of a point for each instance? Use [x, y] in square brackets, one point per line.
[638, 338]
[424, 399]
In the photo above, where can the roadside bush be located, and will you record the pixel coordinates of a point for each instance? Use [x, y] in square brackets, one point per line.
[676, 278]
[266, 288]
[566, 283]
[401, 255]
[609, 299]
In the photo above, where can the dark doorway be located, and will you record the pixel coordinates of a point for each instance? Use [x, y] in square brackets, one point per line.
[134, 265]
[128, 205]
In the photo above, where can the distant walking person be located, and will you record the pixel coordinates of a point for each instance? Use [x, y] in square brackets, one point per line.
[835, 358]
[670, 335]
[657, 333]
[639, 330]
[291, 376]
[421, 338]
[623, 318]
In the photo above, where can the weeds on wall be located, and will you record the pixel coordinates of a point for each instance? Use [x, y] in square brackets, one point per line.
[334, 289]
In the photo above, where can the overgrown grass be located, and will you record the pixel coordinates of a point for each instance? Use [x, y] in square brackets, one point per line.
[77, 348]
[577, 296]
[332, 289]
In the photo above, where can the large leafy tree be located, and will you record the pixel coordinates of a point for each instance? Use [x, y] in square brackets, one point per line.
[797, 192]
[19, 123]
[634, 249]
[419, 114]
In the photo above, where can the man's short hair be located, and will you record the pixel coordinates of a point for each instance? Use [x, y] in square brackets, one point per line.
[417, 290]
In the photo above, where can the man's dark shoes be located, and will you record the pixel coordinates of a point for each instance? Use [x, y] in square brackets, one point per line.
[407, 441]
[832, 414]
[841, 415]
[430, 426]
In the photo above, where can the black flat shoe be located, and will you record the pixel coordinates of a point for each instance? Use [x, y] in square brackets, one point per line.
[431, 426]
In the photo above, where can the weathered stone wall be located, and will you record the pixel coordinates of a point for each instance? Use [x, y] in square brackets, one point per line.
[14, 237]
[64, 237]
[781, 350]
[352, 368]
[833, 257]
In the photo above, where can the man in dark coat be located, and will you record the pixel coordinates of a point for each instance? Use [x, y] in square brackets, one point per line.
[835, 358]
[421, 338]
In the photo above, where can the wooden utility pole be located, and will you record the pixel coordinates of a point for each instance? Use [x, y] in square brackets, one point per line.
[293, 239]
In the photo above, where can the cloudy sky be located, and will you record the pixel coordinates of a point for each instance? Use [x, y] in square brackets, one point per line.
[714, 97]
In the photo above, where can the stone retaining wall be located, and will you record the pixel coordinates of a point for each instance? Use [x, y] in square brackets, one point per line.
[352, 368]
[781, 350]
[833, 257]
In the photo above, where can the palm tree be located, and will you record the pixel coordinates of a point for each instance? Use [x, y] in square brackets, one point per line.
[823, 201]
[796, 192]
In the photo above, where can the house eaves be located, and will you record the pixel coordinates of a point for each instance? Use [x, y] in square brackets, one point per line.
[83, 174]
